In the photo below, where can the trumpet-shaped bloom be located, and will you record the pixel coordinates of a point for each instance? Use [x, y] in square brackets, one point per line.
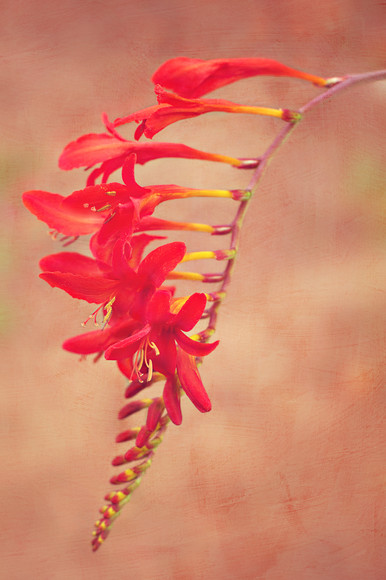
[112, 211]
[156, 346]
[172, 108]
[48, 207]
[194, 77]
[118, 286]
[97, 341]
[111, 152]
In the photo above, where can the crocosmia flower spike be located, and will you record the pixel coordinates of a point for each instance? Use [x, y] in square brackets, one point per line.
[155, 335]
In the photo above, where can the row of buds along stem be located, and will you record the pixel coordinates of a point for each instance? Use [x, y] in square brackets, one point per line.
[143, 323]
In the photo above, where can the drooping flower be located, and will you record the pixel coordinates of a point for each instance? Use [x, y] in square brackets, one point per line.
[111, 152]
[156, 345]
[48, 207]
[194, 77]
[173, 108]
[112, 211]
[97, 341]
[118, 287]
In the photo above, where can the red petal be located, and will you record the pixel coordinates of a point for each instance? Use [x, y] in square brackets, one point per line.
[129, 179]
[128, 346]
[157, 265]
[165, 362]
[158, 310]
[154, 414]
[87, 343]
[126, 367]
[137, 117]
[193, 77]
[177, 108]
[147, 151]
[191, 381]
[119, 224]
[91, 149]
[92, 289]
[70, 263]
[191, 312]
[96, 196]
[171, 396]
[99, 340]
[138, 245]
[193, 346]
[48, 207]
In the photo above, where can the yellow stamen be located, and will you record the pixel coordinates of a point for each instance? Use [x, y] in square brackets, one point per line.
[109, 310]
[142, 357]
[107, 206]
[150, 367]
[155, 347]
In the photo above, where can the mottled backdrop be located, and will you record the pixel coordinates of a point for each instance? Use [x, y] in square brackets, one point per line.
[285, 478]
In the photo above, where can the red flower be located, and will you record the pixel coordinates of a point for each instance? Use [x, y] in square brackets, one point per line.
[48, 208]
[111, 210]
[193, 77]
[97, 341]
[156, 346]
[117, 286]
[111, 152]
[173, 108]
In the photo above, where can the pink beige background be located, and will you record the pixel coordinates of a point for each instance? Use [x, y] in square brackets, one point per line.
[285, 478]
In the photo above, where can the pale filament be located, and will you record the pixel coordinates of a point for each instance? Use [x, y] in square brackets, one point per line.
[141, 357]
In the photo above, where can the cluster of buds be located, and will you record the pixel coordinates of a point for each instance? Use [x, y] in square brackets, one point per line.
[142, 322]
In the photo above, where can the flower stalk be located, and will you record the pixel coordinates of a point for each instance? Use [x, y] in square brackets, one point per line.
[144, 322]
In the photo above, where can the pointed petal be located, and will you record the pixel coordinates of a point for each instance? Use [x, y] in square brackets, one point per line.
[165, 361]
[119, 261]
[91, 149]
[87, 343]
[105, 170]
[147, 151]
[158, 263]
[70, 263]
[98, 340]
[119, 225]
[48, 207]
[138, 116]
[95, 197]
[194, 347]
[158, 311]
[171, 396]
[193, 77]
[125, 365]
[128, 346]
[154, 414]
[191, 311]
[191, 381]
[138, 245]
[129, 179]
[92, 289]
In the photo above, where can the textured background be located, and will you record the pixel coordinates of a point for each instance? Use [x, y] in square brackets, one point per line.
[285, 478]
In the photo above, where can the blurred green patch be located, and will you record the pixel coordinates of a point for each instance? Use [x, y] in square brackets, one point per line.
[14, 165]
[366, 177]
[366, 184]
